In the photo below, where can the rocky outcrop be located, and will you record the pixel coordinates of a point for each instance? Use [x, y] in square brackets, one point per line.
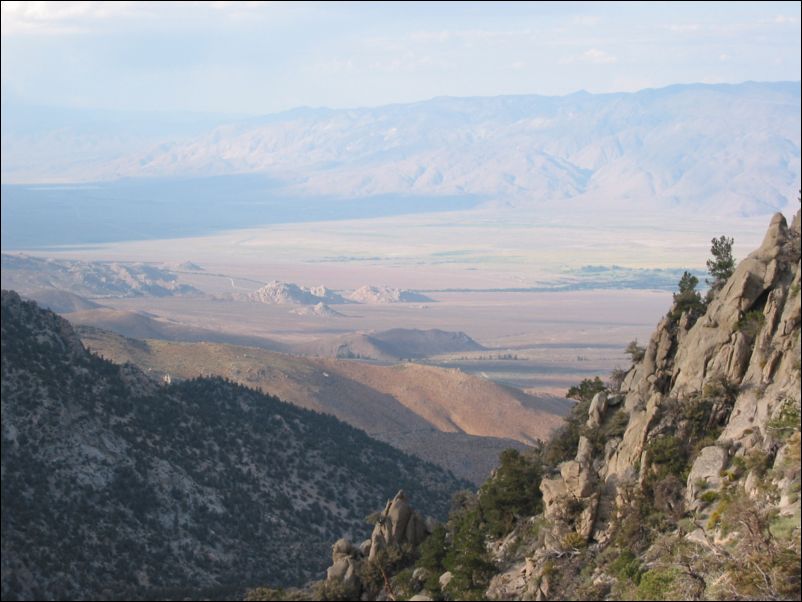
[281, 293]
[759, 364]
[712, 401]
[345, 563]
[398, 525]
[571, 498]
[386, 294]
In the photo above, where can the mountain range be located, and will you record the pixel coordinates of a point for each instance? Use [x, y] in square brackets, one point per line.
[734, 149]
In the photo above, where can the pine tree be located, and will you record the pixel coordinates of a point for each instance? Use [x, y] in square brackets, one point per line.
[722, 264]
[688, 299]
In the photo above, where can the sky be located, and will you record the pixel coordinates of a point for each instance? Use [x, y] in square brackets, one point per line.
[265, 57]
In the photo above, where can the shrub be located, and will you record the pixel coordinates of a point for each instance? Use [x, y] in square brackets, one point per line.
[708, 497]
[433, 552]
[687, 299]
[617, 377]
[751, 323]
[512, 493]
[467, 558]
[586, 390]
[635, 351]
[627, 566]
[786, 420]
[573, 541]
[659, 584]
[667, 455]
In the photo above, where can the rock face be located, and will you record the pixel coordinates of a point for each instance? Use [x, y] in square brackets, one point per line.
[759, 366]
[702, 409]
[398, 525]
[577, 484]
[345, 562]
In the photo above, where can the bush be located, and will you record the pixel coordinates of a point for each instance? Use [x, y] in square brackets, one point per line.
[467, 558]
[687, 299]
[627, 567]
[512, 493]
[617, 377]
[667, 455]
[586, 390]
[659, 584]
[708, 497]
[751, 323]
[433, 552]
[786, 420]
[635, 351]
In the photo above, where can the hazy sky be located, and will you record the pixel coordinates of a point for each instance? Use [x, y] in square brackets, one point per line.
[261, 57]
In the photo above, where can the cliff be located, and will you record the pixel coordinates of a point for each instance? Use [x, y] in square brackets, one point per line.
[681, 481]
[697, 497]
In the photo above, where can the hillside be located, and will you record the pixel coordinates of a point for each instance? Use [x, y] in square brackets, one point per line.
[390, 345]
[116, 487]
[62, 302]
[681, 483]
[447, 417]
[28, 274]
[140, 325]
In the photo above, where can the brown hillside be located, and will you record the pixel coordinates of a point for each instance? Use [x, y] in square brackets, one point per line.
[434, 413]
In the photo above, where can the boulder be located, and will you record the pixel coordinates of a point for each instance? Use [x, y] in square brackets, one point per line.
[598, 406]
[705, 474]
[399, 524]
[345, 564]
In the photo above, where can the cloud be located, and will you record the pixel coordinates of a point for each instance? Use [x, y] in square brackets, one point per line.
[786, 20]
[57, 17]
[684, 27]
[593, 56]
[468, 35]
[586, 20]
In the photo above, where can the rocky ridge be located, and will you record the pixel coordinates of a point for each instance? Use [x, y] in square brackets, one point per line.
[712, 416]
[95, 279]
[682, 482]
[277, 292]
[386, 294]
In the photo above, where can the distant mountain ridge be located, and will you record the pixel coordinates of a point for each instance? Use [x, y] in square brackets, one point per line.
[287, 293]
[26, 273]
[732, 148]
[390, 345]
